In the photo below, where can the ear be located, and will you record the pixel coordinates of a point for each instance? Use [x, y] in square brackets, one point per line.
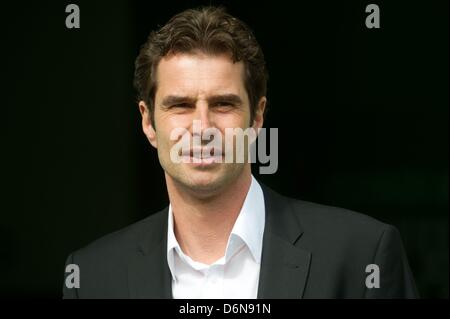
[147, 125]
[258, 120]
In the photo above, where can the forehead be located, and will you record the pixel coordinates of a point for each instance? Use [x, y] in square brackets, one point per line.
[195, 74]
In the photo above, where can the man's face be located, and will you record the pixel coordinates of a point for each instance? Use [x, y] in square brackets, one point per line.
[205, 88]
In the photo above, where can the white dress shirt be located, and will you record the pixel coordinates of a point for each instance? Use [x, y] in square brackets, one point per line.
[236, 274]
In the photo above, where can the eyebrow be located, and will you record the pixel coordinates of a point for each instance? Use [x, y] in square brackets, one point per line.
[229, 98]
[177, 99]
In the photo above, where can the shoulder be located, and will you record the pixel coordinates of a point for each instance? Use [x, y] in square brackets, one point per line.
[343, 231]
[337, 218]
[327, 223]
[338, 235]
[104, 263]
[120, 243]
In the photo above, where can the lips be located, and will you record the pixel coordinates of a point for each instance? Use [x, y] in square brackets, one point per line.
[202, 153]
[202, 156]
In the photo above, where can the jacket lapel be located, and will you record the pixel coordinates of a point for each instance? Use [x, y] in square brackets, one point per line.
[284, 266]
[148, 272]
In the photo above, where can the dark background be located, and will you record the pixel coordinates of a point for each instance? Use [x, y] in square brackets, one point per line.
[362, 117]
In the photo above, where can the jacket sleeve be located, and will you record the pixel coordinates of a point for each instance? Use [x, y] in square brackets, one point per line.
[396, 279]
[69, 293]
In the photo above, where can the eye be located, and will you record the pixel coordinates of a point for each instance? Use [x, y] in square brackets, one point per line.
[181, 105]
[223, 104]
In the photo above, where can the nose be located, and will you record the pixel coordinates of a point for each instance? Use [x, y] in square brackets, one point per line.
[203, 114]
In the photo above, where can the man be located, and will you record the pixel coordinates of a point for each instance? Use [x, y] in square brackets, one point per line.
[224, 235]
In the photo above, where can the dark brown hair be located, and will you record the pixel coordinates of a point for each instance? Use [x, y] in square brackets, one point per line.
[210, 30]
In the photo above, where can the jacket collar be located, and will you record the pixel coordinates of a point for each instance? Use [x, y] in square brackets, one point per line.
[284, 266]
[148, 273]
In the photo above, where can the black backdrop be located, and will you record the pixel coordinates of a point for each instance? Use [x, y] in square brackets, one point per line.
[362, 117]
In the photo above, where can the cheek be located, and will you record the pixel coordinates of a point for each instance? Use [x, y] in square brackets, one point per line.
[233, 120]
[166, 123]
[178, 121]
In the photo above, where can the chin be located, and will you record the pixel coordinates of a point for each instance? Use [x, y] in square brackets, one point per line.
[204, 182]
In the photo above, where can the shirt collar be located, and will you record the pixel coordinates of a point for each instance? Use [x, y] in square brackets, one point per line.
[249, 227]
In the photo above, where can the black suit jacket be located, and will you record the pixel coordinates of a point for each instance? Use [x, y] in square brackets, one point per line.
[309, 251]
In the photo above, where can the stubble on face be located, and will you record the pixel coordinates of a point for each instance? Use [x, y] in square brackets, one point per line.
[198, 79]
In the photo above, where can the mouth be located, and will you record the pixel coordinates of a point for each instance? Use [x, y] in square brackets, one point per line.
[202, 156]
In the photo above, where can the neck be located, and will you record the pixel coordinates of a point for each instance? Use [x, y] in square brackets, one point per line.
[202, 225]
